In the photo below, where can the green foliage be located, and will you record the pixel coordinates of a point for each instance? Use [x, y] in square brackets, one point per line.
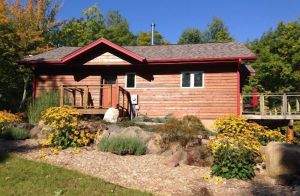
[191, 36]
[118, 29]
[215, 32]
[91, 26]
[25, 177]
[233, 161]
[277, 66]
[15, 133]
[182, 130]
[10, 77]
[122, 146]
[79, 32]
[46, 100]
[238, 144]
[144, 39]
[143, 118]
[64, 133]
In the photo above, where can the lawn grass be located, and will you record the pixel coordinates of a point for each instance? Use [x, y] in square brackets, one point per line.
[24, 177]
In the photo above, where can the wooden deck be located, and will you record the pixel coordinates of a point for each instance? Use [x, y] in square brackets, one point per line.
[271, 106]
[96, 99]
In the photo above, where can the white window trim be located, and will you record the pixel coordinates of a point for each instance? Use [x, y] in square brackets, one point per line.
[192, 75]
[134, 80]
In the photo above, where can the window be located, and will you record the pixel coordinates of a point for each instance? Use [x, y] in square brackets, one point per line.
[192, 79]
[130, 80]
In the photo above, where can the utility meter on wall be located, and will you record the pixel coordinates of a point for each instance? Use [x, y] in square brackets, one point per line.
[134, 99]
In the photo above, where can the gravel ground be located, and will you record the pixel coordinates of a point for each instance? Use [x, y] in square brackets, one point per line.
[146, 172]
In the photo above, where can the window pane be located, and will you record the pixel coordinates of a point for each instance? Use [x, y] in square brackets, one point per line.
[198, 79]
[130, 81]
[186, 79]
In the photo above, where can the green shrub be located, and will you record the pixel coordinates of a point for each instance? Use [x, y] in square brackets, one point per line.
[182, 130]
[122, 146]
[46, 100]
[15, 133]
[233, 161]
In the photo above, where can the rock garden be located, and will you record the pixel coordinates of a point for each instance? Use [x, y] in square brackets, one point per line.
[163, 156]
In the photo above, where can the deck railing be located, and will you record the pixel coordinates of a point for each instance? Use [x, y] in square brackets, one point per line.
[271, 106]
[89, 98]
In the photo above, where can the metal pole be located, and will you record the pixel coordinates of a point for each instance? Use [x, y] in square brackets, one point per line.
[152, 33]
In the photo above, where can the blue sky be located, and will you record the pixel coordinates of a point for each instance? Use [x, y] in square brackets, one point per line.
[246, 19]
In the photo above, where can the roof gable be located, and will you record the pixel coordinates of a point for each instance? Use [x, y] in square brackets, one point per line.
[102, 45]
[107, 59]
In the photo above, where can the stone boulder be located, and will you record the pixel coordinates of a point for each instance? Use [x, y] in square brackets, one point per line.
[92, 126]
[33, 133]
[283, 162]
[111, 115]
[180, 156]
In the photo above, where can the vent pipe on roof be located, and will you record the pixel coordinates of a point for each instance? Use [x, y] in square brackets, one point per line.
[152, 33]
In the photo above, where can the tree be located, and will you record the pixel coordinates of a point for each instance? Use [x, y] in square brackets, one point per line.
[9, 77]
[28, 23]
[217, 31]
[278, 55]
[118, 29]
[191, 36]
[144, 39]
[79, 32]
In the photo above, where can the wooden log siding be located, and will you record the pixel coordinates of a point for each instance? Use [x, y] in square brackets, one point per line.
[159, 94]
[164, 95]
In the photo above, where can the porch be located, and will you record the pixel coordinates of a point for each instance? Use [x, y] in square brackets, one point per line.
[271, 106]
[96, 99]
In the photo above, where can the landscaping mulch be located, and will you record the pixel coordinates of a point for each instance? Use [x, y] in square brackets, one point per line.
[147, 173]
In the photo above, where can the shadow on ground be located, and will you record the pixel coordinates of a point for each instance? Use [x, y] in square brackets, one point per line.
[15, 146]
[266, 189]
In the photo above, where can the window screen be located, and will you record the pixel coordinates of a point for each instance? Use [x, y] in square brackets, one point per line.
[130, 80]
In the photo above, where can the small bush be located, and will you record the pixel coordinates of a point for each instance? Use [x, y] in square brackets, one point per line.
[46, 100]
[63, 122]
[15, 133]
[6, 118]
[122, 146]
[233, 161]
[238, 144]
[182, 130]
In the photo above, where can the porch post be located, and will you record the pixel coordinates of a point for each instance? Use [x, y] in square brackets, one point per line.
[61, 97]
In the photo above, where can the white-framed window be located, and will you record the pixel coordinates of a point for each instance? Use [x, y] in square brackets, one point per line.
[130, 80]
[192, 79]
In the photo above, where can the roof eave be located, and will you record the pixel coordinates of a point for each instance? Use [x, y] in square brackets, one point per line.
[201, 60]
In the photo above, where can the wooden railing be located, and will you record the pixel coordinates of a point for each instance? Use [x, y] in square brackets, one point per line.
[88, 96]
[124, 102]
[271, 106]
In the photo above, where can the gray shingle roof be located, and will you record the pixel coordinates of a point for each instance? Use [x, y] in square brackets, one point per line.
[52, 55]
[192, 51]
[159, 52]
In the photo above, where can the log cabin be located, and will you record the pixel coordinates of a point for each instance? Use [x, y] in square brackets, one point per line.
[193, 79]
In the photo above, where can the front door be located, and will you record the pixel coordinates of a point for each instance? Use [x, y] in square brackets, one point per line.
[109, 91]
